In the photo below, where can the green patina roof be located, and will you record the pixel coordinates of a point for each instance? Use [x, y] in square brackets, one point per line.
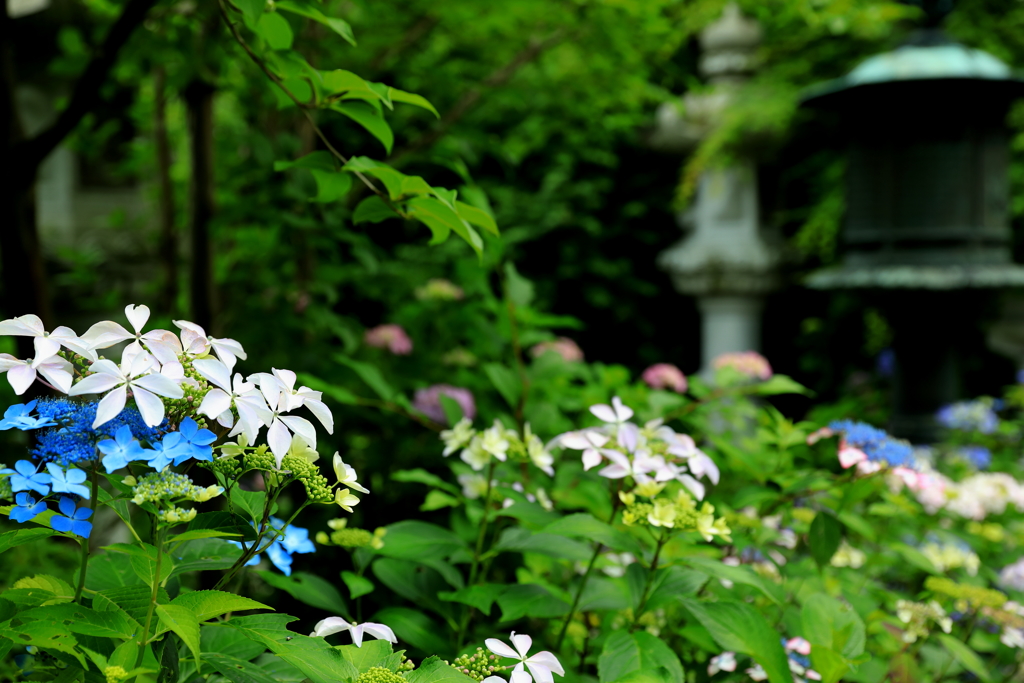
[915, 63]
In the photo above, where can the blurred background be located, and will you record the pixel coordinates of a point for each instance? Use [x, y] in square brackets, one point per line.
[834, 183]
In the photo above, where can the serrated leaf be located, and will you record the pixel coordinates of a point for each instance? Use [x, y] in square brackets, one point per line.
[625, 653]
[480, 596]
[274, 29]
[585, 525]
[235, 526]
[237, 670]
[433, 670]
[373, 210]
[397, 95]
[309, 588]
[206, 605]
[530, 600]
[183, 623]
[339, 26]
[250, 503]
[824, 536]
[202, 533]
[10, 539]
[965, 655]
[415, 628]
[739, 627]
[370, 654]
[83, 620]
[741, 575]
[369, 118]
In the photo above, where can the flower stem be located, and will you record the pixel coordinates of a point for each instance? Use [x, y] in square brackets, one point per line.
[650, 579]
[152, 598]
[85, 541]
[579, 594]
[477, 553]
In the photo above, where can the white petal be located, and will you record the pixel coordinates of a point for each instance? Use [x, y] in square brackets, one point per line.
[231, 346]
[322, 413]
[159, 384]
[142, 361]
[226, 419]
[95, 384]
[591, 458]
[110, 406]
[214, 371]
[357, 635]
[163, 345]
[151, 407]
[380, 631]
[522, 643]
[540, 674]
[174, 371]
[604, 413]
[329, 626]
[105, 334]
[57, 374]
[520, 676]
[255, 404]
[614, 472]
[279, 439]
[7, 361]
[225, 356]
[301, 426]
[108, 367]
[286, 378]
[67, 337]
[499, 648]
[138, 316]
[45, 348]
[214, 403]
[191, 327]
[21, 378]
[694, 486]
[622, 411]
[23, 326]
[548, 661]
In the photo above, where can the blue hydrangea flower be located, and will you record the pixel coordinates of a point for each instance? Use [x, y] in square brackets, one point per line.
[195, 442]
[875, 443]
[969, 416]
[167, 451]
[19, 417]
[72, 519]
[979, 456]
[69, 481]
[24, 477]
[27, 508]
[281, 549]
[121, 450]
[73, 440]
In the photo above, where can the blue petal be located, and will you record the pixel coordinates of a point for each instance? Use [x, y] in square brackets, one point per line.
[60, 523]
[66, 505]
[82, 529]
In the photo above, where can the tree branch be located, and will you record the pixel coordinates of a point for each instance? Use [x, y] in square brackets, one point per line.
[414, 34]
[528, 54]
[30, 153]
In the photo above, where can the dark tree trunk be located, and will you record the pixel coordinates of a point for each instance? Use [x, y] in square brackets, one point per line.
[168, 231]
[199, 99]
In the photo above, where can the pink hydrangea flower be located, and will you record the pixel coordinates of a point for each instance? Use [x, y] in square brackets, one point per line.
[563, 346]
[748, 363]
[390, 337]
[428, 401]
[665, 376]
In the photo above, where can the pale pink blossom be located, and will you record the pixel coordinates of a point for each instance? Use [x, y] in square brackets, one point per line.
[799, 646]
[390, 337]
[748, 363]
[428, 401]
[665, 376]
[563, 346]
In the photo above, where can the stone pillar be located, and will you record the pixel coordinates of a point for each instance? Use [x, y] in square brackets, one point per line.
[726, 261]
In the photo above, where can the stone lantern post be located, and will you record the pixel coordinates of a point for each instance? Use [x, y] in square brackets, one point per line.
[926, 233]
[725, 261]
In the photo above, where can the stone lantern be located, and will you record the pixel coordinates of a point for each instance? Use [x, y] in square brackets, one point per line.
[926, 233]
[725, 261]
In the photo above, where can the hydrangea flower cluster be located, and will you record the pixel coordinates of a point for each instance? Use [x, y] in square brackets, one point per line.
[976, 497]
[562, 346]
[969, 416]
[797, 650]
[949, 556]
[665, 376]
[918, 618]
[390, 337]
[862, 442]
[1011, 576]
[497, 442]
[428, 401]
[748, 364]
[156, 408]
[290, 540]
[439, 289]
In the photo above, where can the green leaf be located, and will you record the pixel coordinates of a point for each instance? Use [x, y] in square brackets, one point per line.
[166, 653]
[833, 625]
[331, 185]
[373, 209]
[370, 654]
[79, 619]
[433, 670]
[202, 533]
[451, 409]
[10, 539]
[517, 287]
[626, 652]
[369, 374]
[439, 499]
[351, 86]
[530, 600]
[824, 537]
[480, 596]
[110, 570]
[418, 541]
[237, 670]
[133, 600]
[339, 394]
[357, 585]
[205, 554]
[276, 30]
[227, 523]
[421, 476]
[48, 634]
[308, 588]
[965, 655]
[781, 384]
[320, 662]
[339, 26]
[414, 627]
[742, 575]
[739, 627]
[915, 557]
[320, 161]
[214, 637]
[183, 623]
[397, 95]
[251, 9]
[671, 583]
[585, 525]
[506, 381]
[207, 605]
[522, 540]
[442, 221]
[829, 664]
[477, 217]
[369, 118]
[59, 590]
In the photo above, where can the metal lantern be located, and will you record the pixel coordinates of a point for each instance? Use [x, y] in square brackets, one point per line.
[927, 222]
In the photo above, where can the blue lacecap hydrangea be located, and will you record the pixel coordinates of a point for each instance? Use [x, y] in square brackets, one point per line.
[979, 456]
[73, 440]
[876, 443]
[969, 416]
[281, 549]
